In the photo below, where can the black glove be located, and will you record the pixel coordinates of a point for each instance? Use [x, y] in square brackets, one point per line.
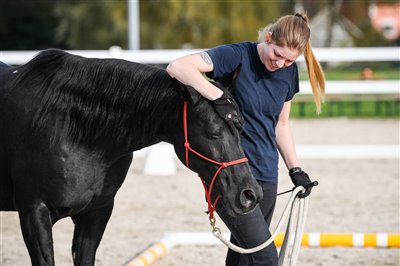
[228, 110]
[300, 178]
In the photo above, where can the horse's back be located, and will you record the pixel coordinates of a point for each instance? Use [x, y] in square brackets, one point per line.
[4, 66]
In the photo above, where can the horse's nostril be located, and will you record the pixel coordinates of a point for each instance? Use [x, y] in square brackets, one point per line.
[248, 198]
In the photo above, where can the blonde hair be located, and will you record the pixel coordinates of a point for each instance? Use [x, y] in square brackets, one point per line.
[293, 31]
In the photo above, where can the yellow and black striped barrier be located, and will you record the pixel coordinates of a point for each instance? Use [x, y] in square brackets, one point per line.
[379, 240]
[150, 255]
[323, 240]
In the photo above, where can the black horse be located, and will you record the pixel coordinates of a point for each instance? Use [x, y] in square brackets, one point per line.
[68, 129]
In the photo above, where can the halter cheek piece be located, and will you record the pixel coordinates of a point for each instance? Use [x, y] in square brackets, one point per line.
[211, 206]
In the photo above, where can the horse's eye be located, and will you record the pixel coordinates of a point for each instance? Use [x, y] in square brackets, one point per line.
[214, 133]
[215, 136]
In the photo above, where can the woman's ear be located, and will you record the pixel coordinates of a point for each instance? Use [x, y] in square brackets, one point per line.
[268, 37]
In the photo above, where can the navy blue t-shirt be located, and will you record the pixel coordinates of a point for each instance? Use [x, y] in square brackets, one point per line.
[260, 95]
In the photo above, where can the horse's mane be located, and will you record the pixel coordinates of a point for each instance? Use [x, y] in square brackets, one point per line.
[95, 98]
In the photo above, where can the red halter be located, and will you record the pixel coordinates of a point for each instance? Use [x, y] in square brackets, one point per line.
[211, 206]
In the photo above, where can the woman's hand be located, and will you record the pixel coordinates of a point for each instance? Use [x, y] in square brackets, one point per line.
[228, 110]
[300, 178]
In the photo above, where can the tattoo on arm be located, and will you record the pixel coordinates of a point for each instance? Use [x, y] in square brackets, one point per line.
[206, 58]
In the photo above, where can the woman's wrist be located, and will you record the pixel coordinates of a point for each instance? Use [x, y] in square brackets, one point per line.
[294, 170]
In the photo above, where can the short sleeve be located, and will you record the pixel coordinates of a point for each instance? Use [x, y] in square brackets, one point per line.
[225, 59]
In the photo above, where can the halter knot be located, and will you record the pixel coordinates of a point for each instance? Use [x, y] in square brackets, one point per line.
[186, 145]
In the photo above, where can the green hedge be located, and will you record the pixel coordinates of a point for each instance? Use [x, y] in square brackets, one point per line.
[347, 108]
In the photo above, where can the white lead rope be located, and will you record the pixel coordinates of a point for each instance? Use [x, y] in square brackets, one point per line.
[288, 241]
[292, 242]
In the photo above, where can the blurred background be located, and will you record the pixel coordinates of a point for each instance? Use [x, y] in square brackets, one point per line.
[166, 24]
[199, 24]
[352, 147]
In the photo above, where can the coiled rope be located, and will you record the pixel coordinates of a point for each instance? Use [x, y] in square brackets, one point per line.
[295, 205]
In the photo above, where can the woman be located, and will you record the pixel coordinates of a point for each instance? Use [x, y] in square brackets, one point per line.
[267, 82]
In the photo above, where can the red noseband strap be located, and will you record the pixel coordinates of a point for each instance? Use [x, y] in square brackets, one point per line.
[211, 206]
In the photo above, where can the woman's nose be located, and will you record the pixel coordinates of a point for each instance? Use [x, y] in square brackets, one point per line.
[280, 63]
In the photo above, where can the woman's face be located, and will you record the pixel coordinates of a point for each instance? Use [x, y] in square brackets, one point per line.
[275, 57]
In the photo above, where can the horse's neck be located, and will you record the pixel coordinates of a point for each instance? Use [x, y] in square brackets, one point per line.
[136, 107]
[157, 119]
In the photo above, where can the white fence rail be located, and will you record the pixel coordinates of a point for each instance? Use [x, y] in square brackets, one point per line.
[355, 87]
[364, 54]
[360, 54]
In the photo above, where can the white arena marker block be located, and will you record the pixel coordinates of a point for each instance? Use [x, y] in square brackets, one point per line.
[314, 239]
[358, 240]
[381, 240]
[160, 160]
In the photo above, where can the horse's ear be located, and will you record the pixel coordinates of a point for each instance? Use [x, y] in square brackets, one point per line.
[192, 95]
[189, 93]
[228, 81]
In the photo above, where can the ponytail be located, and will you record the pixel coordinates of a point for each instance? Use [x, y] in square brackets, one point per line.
[316, 76]
[314, 69]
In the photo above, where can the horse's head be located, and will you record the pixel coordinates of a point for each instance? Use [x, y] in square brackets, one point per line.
[213, 151]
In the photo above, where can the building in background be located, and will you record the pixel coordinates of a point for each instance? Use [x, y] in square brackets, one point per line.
[385, 18]
[338, 34]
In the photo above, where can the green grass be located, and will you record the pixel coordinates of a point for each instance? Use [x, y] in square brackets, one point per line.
[354, 73]
[365, 109]
[351, 106]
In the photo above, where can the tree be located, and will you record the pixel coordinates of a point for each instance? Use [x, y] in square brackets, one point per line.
[199, 24]
[92, 24]
[27, 24]
[168, 24]
[75, 24]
